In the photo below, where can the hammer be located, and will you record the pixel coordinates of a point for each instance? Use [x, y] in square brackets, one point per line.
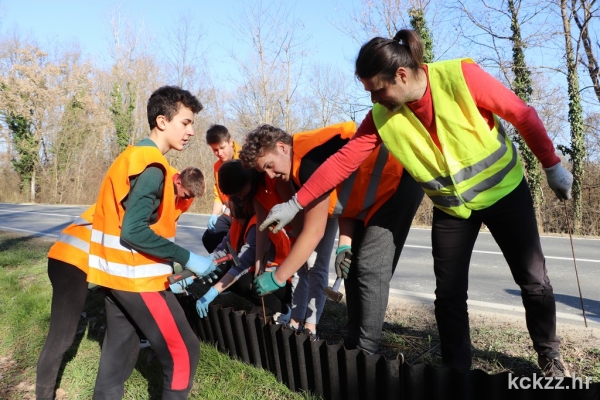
[333, 293]
[230, 255]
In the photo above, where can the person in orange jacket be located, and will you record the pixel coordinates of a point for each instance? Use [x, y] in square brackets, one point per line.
[132, 254]
[377, 205]
[67, 270]
[244, 187]
[225, 148]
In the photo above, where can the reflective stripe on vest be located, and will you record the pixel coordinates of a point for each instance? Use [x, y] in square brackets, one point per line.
[475, 167]
[366, 189]
[113, 263]
[73, 243]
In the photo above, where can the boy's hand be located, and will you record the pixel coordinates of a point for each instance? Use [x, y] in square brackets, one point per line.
[212, 221]
[266, 283]
[343, 256]
[204, 301]
[180, 286]
[200, 265]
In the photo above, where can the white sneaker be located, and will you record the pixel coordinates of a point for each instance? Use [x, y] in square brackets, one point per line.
[283, 319]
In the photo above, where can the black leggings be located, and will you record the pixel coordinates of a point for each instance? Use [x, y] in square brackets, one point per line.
[512, 223]
[69, 290]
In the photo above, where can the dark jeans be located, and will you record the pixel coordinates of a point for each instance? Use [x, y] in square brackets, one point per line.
[69, 290]
[376, 249]
[512, 223]
[211, 239]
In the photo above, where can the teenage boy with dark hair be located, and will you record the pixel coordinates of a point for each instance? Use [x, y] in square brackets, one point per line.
[67, 270]
[132, 254]
[225, 149]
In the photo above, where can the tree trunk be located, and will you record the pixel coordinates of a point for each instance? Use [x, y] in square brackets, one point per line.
[32, 188]
[577, 151]
[522, 86]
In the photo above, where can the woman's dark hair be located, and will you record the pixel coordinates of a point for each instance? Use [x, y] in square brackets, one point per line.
[382, 57]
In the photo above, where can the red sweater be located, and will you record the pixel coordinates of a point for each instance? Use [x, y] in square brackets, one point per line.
[491, 97]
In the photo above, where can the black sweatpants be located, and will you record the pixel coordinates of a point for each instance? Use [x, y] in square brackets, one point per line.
[512, 223]
[161, 319]
[376, 249]
[211, 239]
[69, 290]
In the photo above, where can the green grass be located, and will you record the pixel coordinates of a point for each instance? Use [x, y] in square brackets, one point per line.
[409, 332]
[25, 294]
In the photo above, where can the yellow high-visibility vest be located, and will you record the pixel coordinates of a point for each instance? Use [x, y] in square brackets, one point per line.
[475, 167]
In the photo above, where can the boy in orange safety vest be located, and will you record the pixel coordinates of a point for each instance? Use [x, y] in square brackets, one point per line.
[67, 270]
[225, 148]
[132, 254]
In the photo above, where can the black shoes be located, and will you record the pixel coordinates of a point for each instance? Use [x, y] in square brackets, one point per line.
[553, 367]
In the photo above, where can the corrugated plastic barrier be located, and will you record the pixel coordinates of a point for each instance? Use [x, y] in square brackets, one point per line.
[333, 372]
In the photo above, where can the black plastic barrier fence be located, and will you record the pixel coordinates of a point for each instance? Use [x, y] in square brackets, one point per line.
[331, 371]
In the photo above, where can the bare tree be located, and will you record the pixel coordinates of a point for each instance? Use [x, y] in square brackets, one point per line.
[386, 17]
[270, 73]
[327, 87]
[182, 51]
[577, 151]
[583, 22]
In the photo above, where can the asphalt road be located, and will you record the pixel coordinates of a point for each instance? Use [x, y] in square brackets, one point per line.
[490, 286]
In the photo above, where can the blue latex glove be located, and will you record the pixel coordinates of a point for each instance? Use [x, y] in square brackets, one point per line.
[179, 287]
[204, 301]
[266, 283]
[200, 265]
[212, 221]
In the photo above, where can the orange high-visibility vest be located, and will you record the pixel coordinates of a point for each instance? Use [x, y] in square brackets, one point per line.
[363, 192]
[218, 194]
[281, 241]
[181, 205]
[113, 263]
[73, 243]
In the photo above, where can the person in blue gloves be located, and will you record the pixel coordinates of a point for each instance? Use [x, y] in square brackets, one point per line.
[132, 252]
[243, 187]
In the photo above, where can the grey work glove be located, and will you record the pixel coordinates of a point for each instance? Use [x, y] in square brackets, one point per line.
[214, 275]
[343, 257]
[282, 214]
[560, 181]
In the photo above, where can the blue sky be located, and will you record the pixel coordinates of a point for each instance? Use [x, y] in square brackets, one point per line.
[87, 22]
